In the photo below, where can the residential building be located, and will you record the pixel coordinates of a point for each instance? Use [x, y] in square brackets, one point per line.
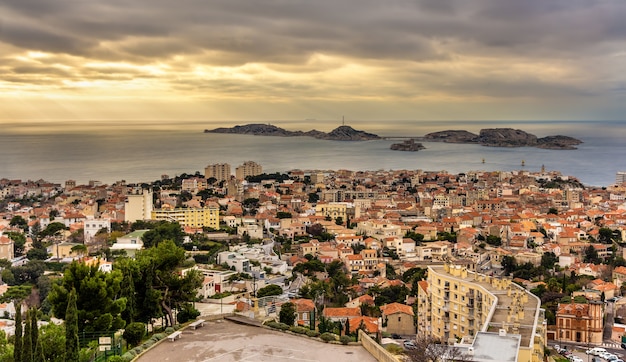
[580, 322]
[237, 261]
[6, 247]
[219, 171]
[91, 227]
[130, 243]
[398, 318]
[306, 310]
[464, 303]
[334, 210]
[138, 206]
[208, 216]
[248, 168]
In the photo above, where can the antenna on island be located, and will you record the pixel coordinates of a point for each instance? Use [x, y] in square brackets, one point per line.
[343, 120]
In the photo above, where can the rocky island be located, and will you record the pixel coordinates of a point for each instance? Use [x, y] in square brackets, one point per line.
[505, 137]
[408, 145]
[341, 133]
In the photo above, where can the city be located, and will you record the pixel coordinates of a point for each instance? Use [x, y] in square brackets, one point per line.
[489, 266]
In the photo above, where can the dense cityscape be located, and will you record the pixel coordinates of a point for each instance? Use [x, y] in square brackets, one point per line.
[483, 266]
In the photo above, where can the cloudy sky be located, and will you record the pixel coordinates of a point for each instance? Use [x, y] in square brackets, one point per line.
[292, 59]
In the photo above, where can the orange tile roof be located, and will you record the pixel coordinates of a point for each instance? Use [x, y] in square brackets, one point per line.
[342, 312]
[394, 308]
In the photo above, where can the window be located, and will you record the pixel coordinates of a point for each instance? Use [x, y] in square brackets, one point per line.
[399, 319]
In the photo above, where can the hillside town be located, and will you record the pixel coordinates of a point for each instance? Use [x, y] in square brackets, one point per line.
[414, 259]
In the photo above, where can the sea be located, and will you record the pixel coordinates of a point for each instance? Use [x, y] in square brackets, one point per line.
[143, 151]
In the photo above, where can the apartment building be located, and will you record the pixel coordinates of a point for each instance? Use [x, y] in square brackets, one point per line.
[138, 206]
[464, 303]
[333, 210]
[209, 216]
[249, 168]
[219, 171]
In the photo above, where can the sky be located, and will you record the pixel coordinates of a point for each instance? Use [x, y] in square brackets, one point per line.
[149, 60]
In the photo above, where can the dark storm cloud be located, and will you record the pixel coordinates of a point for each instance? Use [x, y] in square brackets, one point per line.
[284, 31]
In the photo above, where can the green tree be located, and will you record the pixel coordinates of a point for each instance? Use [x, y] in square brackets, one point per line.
[17, 349]
[27, 341]
[553, 211]
[548, 260]
[98, 297]
[164, 230]
[34, 333]
[269, 290]
[287, 314]
[160, 267]
[283, 215]
[591, 255]
[72, 346]
[19, 221]
[52, 342]
[509, 264]
[19, 240]
[494, 240]
[134, 333]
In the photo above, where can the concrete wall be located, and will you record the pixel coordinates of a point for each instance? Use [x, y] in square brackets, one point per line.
[375, 349]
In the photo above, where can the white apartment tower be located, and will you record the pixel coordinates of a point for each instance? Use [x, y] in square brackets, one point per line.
[620, 177]
[138, 206]
[249, 168]
[220, 171]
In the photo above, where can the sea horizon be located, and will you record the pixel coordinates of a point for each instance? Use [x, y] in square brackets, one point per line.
[141, 151]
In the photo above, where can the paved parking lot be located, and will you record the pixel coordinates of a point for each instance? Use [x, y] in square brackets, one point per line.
[227, 341]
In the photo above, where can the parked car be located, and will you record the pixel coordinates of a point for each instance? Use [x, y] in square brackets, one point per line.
[395, 336]
[410, 345]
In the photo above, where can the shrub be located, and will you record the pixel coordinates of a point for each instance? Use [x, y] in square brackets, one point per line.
[297, 329]
[159, 336]
[312, 333]
[169, 330]
[117, 359]
[128, 356]
[271, 324]
[394, 348]
[283, 326]
[345, 339]
[187, 313]
[134, 333]
[327, 337]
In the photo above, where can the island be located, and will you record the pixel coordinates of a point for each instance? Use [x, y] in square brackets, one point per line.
[504, 137]
[408, 145]
[341, 133]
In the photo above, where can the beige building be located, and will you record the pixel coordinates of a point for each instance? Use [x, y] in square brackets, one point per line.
[398, 318]
[463, 303]
[6, 248]
[249, 168]
[333, 210]
[580, 323]
[138, 206]
[219, 171]
[195, 217]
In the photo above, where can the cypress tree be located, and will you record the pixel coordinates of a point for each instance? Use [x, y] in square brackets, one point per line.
[71, 329]
[34, 332]
[27, 345]
[17, 350]
[39, 356]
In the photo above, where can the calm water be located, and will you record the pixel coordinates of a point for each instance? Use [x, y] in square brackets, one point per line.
[143, 152]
